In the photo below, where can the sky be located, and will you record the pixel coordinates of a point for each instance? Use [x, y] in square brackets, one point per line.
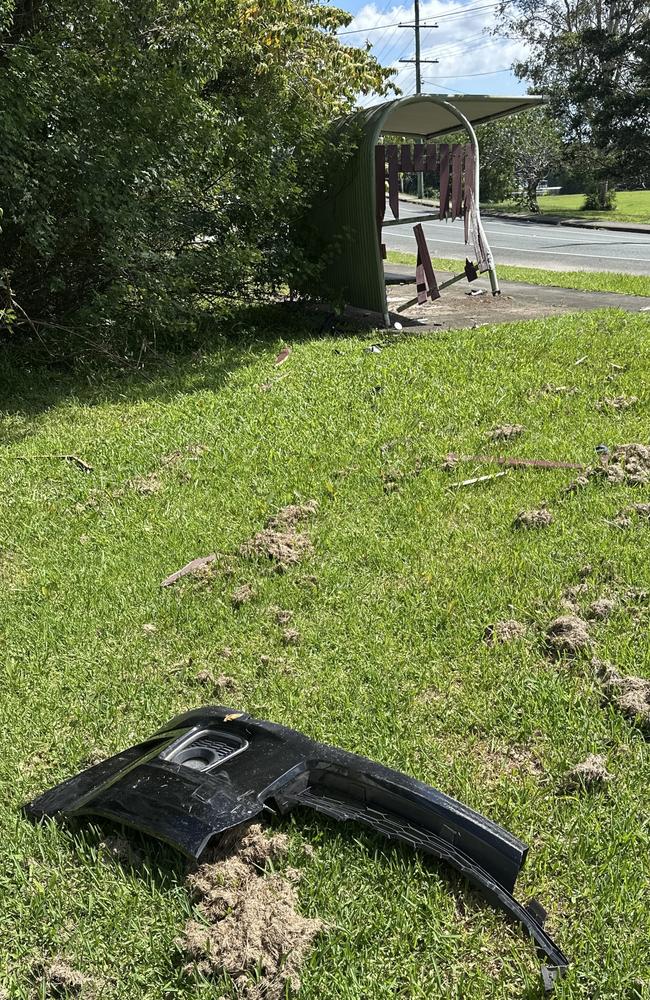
[470, 59]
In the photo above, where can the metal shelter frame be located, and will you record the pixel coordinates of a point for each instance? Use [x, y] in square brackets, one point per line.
[347, 216]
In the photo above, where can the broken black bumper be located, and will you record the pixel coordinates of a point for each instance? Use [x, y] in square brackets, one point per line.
[213, 769]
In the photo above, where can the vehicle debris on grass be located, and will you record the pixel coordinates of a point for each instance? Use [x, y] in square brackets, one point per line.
[477, 479]
[251, 928]
[541, 518]
[567, 634]
[589, 773]
[192, 568]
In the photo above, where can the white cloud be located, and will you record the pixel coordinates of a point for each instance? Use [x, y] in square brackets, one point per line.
[462, 44]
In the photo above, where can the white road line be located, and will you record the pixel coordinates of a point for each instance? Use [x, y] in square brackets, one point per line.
[552, 253]
[564, 239]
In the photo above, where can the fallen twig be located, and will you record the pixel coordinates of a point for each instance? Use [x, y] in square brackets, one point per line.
[191, 567]
[535, 463]
[477, 479]
[73, 459]
[283, 355]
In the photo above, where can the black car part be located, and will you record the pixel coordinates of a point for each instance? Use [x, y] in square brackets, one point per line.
[212, 769]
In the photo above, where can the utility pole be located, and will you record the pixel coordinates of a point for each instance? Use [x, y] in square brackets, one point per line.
[418, 67]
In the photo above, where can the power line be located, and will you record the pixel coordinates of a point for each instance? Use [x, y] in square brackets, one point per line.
[463, 76]
[398, 24]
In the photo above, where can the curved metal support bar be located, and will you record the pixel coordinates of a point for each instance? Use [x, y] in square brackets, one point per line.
[489, 259]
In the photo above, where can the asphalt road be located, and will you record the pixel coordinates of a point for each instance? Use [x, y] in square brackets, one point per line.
[529, 244]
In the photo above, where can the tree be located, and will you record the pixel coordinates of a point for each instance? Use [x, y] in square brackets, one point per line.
[523, 148]
[156, 154]
[592, 59]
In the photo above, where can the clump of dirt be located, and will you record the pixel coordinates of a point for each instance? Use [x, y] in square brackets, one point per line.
[449, 463]
[251, 928]
[558, 390]
[626, 517]
[571, 596]
[589, 773]
[617, 403]
[579, 482]
[222, 682]
[506, 631]
[533, 518]
[145, 486]
[506, 432]
[242, 595]
[192, 453]
[631, 462]
[567, 634]
[61, 979]
[602, 608]
[630, 694]
[283, 616]
[291, 637]
[279, 541]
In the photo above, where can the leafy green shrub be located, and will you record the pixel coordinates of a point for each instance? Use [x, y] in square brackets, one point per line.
[599, 201]
[155, 154]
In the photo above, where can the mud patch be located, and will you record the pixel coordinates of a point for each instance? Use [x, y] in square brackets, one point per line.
[533, 518]
[250, 928]
[503, 632]
[557, 390]
[505, 432]
[291, 637]
[617, 403]
[631, 695]
[567, 634]
[279, 541]
[589, 773]
[498, 761]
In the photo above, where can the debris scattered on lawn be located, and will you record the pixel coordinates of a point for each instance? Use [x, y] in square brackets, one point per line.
[506, 631]
[601, 609]
[61, 979]
[571, 596]
[477, 479]
[452, 459]
[279, 541]
[630, 694]
[585, 571]
[617, 403]
[291, 637]
[590, 773]
[580, 360]
[283, 355]
[242, 595]
[625, 519]
[476, 291]
[225, 653]
[149, 628]
[222, 682]
[189, 569]
[250, 927]
[506, 432]
[557, 390]
[71, 459]
[192, 453]
[630, 463]
[374, 349]
[145, 486]
[579, 482]
[567, 634]
[533, 518]
[283, 616]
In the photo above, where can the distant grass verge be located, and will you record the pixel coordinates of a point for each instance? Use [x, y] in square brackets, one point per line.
[588, 281]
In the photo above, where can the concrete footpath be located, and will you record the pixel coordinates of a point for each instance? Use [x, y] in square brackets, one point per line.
[458, 309]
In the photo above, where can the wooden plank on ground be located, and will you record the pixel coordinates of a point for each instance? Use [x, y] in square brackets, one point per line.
[423, 254]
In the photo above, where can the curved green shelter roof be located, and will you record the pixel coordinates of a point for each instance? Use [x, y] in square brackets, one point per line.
[354, 272]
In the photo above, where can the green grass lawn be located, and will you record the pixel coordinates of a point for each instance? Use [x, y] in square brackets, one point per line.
[589, 281]
[631, 206]
[391, 609]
